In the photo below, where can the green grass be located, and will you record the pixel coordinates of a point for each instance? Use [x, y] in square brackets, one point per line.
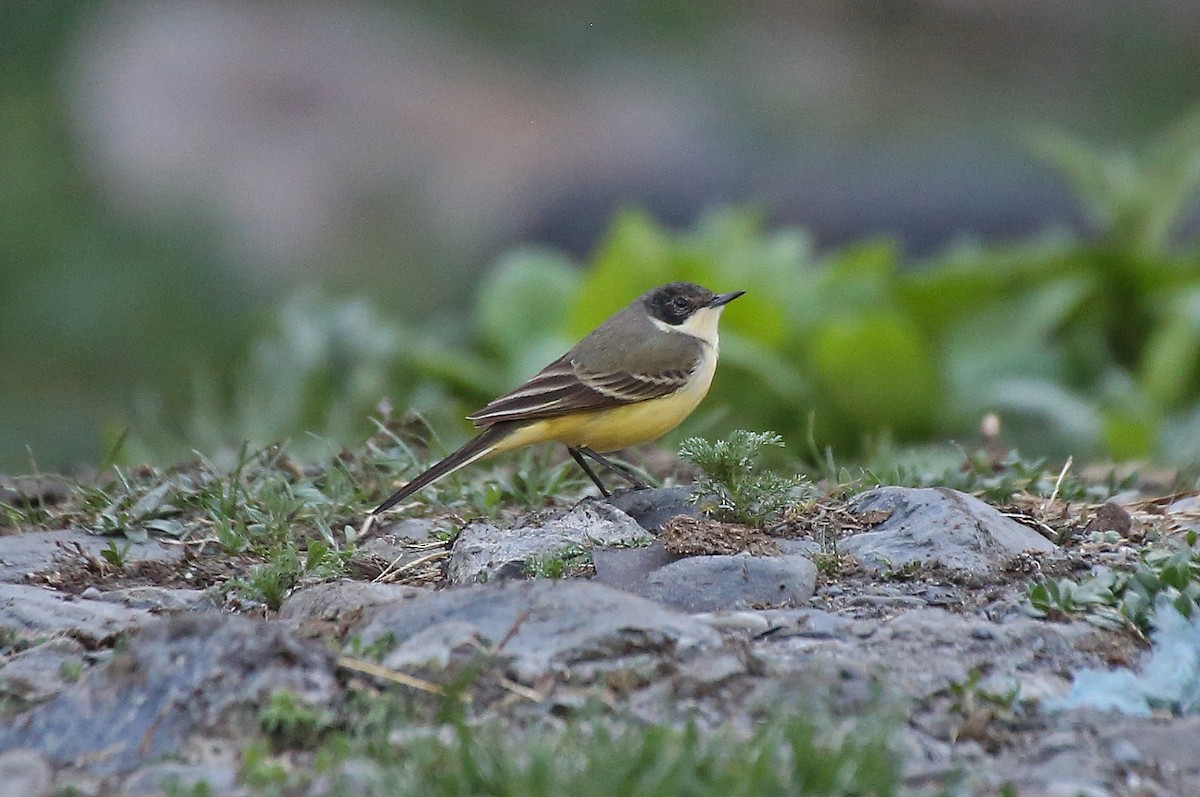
[560, 564]
[801, 752]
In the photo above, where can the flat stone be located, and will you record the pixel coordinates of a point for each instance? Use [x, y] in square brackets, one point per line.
[25, 773]
[37, 674]
[332, 607]
[331, 600]
[624, 567]
[181, 675]
[405, 530]
[748, 621]
[713, 583]
[43, 551]
[654, 507]
[810, 623]
[924, 650]
[809, 548]
[713, 667]
[436, 646]
[483, 552]
[1172, 744]
[150, 780]
[35, 611]
[937, 526]
[545, 624]
[159, 599]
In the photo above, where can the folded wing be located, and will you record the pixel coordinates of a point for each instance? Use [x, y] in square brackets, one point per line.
[563, 387]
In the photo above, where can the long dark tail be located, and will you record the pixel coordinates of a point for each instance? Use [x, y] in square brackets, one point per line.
[473, 451]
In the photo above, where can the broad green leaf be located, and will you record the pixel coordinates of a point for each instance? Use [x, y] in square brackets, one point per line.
[878, 373]
[526, 298]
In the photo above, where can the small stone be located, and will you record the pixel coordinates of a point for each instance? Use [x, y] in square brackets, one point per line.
[331, 600]
[436, 646]
[624, 567]
[790, 547]
[652, 508]
[30, 610]
[25, 773]
[151, 781]
[407, 530]
[159, 599]
[808, 623]
[982, 631]
[333, 606]
[712, 668]
[1125, 754]
[1072, 787]
[1111, 516]
[483, 552]
[713, 583]
[752, 622]
[36, 674]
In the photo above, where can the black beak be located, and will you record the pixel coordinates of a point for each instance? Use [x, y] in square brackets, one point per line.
[724, 298]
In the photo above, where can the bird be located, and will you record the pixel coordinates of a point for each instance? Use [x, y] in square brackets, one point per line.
[629, 381]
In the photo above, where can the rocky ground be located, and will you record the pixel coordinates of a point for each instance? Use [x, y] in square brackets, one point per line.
[124, 673]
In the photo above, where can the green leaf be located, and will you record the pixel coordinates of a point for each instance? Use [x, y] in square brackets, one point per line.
[1171, 356]
[877, 373]
[526, 298]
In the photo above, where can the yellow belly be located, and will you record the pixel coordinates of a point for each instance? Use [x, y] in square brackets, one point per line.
[619, 427]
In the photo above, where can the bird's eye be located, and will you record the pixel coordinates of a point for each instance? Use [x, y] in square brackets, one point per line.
[679, 303]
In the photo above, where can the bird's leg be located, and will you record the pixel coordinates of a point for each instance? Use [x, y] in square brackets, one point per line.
[588, 470]
[621, 470]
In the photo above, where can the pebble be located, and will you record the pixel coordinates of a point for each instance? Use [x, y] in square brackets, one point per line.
[714, 583]
[25, 773]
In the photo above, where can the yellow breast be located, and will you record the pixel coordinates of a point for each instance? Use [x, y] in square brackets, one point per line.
[620, 427]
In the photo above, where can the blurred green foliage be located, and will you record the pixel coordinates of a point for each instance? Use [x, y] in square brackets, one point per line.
[1085, 345]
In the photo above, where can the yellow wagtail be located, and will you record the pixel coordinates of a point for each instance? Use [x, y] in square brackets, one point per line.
[631, 380]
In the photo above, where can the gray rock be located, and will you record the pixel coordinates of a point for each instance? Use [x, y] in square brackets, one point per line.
[809, 548]
[483, 552]
[747, 621]
[436, 646]
[713, 583]
[1172, 746]
[33, 611]
[25, 773]
[938, 525]
[810, 623]
[546, 625]
[924, 650]
[652, 508]
[152, 780]
[342, 601]
[159, 599]
[181, 675]
[712, 667]
[42, 551]
[624, 567]
[37, 674]
[409, 529]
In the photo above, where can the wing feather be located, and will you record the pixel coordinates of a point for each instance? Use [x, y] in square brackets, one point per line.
[563, 387]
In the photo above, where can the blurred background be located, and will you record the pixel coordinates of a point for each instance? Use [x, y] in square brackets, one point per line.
[227, 220]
